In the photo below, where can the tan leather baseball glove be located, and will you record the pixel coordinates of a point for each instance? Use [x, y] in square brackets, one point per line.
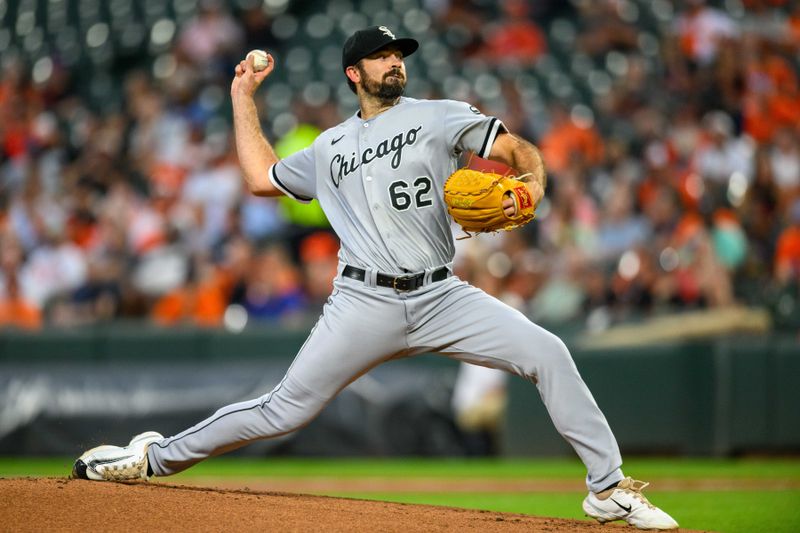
[475, 200]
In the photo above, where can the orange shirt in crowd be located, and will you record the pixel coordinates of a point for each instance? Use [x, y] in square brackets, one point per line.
[787, 252]
[689, 225]
[520, 41]
[18, 313]
[757, 122]
[568, 140]
[202, 304]
[776, 107]
[794, 29]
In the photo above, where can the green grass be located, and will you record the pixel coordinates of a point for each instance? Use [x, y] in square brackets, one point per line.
[729, 511]
[449, 468]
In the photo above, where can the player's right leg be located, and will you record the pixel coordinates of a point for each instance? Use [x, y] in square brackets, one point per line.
[359, 329]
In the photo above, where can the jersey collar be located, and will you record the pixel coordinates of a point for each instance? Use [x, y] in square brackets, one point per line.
[357, 114]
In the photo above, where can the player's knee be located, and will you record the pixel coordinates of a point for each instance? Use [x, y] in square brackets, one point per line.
[285, 413]
[290, 424]
[282, 421]
[555, 353]
[548, 353]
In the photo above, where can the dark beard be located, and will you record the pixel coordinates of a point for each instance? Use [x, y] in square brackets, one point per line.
[383, 90]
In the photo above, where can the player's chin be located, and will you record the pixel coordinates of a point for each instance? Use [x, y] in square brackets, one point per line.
[392, 90]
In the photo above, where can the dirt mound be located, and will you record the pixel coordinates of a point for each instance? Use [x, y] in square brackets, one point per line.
[48, 504]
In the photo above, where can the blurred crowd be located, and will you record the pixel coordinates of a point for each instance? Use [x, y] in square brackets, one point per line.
[678, 186]
[674, 178]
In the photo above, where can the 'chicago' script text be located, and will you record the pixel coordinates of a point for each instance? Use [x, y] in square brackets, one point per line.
[341, 166]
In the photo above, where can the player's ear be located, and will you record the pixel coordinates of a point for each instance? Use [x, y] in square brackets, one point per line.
[353, 74]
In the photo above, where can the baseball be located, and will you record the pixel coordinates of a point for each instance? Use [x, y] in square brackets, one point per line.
[260, 59]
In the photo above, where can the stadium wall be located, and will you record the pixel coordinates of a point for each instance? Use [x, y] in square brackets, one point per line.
[722, 396]
[61, 390]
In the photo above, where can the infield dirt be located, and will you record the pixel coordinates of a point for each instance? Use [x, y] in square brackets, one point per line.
[58, 504]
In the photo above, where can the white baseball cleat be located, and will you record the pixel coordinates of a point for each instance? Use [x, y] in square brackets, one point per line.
[626, 502]
[116, 463]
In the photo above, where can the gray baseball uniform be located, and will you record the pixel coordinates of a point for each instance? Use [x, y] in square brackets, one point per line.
[380, 183]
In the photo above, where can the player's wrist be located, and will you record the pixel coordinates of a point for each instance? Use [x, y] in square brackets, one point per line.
[241, 92]
[541, 180]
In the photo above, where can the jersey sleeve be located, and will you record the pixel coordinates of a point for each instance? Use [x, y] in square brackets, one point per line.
[296, 175]
[467, 129]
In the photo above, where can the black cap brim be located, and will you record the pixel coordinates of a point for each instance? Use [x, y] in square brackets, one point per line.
[406, 45]
[366, 42]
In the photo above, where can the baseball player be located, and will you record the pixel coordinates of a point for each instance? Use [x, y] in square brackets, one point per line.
[379, 177]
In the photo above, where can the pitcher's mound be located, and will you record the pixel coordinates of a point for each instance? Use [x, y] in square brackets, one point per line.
[49, 504]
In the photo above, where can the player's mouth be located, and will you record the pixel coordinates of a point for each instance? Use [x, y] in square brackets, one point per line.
[393, 74]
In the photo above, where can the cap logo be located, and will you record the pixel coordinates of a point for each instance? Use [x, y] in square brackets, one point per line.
[386, 31]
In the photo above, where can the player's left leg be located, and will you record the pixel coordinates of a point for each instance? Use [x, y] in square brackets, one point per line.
[465, 323]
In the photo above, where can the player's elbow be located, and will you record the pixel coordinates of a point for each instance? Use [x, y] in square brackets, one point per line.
[264, 191]
[260, 185]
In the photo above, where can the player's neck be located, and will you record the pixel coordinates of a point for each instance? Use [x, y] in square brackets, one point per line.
[371, 106]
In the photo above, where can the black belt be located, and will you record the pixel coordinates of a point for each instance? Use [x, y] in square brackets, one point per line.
[409, 282]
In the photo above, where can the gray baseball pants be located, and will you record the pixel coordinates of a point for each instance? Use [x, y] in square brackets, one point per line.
[362, 326]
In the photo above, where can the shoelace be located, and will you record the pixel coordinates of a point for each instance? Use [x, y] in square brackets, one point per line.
[634, 487]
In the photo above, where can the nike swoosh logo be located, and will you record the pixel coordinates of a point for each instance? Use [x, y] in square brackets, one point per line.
[334, 141]
[114, 460]
[626, 509]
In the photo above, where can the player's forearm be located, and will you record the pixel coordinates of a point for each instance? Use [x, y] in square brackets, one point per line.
[256, 155]
[525, 158]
